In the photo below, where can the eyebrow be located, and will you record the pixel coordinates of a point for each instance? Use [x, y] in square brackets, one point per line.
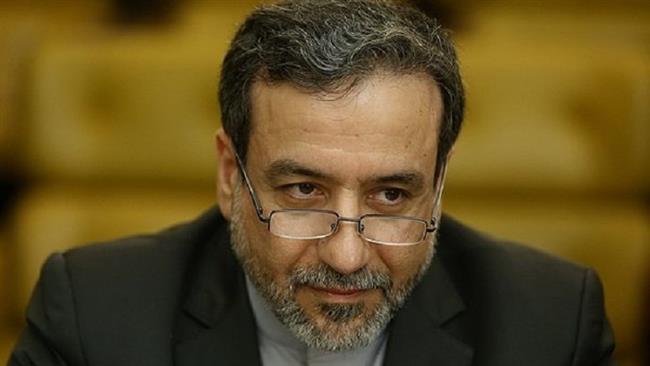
[412, 179]
[287, 167]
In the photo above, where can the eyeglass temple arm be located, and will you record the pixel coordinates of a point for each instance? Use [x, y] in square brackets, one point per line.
[258, 207]
[440, 186]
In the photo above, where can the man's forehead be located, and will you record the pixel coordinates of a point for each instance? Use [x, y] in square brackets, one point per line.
[384, 127]
[412, 99]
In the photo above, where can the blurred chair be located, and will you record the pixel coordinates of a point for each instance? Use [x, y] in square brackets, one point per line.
[118, 136]
[113, 130]
[123, 110]
[56, 218]
[17, 44]
[554, 153]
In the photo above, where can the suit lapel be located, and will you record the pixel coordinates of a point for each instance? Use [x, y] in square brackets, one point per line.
[216, 325]
[230, 342]
[418, 334]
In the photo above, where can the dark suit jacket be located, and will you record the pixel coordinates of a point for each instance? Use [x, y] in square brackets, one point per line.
[179, 298]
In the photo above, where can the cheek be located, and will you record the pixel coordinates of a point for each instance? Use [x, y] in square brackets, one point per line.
[404, 262]
[280, 256]
[273, 256]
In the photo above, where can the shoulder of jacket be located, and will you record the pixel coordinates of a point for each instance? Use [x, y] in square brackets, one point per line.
[463, 249]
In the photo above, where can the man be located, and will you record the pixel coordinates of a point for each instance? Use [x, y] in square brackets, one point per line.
[328, 246]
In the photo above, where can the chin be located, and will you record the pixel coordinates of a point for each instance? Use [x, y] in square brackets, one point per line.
[341, 325]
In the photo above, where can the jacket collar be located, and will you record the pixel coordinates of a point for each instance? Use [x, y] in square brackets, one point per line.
[418, 333]
[216, 323]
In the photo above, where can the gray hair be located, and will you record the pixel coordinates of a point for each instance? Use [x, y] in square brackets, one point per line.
[330, 46]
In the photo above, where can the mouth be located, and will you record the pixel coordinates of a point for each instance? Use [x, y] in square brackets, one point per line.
[331, 294]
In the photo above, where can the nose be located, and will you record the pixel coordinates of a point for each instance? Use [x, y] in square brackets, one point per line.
[345, 251]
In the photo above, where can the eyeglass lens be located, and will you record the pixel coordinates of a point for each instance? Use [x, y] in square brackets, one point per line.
[306, 224]
[302, 224]
[393, 230]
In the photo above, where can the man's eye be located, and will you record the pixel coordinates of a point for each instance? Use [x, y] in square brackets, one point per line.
[302, 190]
[390, 196]
[306, 188]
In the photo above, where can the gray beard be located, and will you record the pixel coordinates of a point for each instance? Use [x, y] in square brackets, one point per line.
[348, 326]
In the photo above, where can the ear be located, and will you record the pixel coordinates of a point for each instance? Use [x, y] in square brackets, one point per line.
[227, 173]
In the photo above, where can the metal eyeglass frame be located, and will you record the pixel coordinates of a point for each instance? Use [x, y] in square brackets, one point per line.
[431, 226]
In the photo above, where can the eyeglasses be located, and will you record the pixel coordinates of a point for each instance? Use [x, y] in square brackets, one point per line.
[308, 224]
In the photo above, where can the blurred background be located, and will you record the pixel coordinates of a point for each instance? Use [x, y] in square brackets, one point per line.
[108, 110]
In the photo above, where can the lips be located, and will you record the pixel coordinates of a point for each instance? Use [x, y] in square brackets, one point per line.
[338, 292]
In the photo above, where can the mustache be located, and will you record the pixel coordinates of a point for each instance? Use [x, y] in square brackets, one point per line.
[324, 276]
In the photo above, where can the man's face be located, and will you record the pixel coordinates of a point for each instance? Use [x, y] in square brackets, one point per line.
[372, 150]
